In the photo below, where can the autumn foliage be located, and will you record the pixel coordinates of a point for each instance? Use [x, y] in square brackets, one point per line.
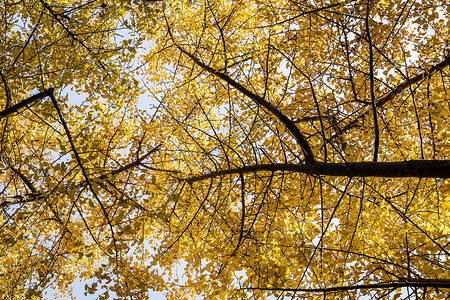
[225, 149]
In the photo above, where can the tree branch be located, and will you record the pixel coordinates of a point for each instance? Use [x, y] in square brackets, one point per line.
[312, 118]
[16, 107]
[372, 87]
[431, 283]
[19, 199]
[133, 164]
[25, 180]
[290, 125]
[411, 168]
[7, 91]
[70, 33]
[405, 84]
[35, 193]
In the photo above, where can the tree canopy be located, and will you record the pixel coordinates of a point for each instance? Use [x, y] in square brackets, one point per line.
[225, 149]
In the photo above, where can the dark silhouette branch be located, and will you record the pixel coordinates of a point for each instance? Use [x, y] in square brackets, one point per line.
[7, 91]
[24, 103]
[372, 87]
[70, 33]
[313, 11]
[424, 283]
[241, 231]
[290, 125]
[411, 168]
[83, 170]
[35, 194]
[133, 164]
[25, 180]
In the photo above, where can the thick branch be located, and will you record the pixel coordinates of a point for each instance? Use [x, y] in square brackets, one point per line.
[430, 283]
[411, 168]
[16, 107]
[290, 125]
[25, 180]
[18, 199]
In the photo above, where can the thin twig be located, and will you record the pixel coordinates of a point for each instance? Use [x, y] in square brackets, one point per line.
[396, 91]
[312, 118]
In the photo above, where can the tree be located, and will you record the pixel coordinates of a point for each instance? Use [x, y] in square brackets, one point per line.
[288, 148]
[57, 157]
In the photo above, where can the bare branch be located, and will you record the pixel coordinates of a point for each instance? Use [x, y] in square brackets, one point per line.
[132, 164]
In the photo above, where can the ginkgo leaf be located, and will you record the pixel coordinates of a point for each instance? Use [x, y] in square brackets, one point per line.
[225, 149]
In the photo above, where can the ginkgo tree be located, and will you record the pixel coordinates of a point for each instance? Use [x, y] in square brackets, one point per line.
[57, 157]
[293, 149]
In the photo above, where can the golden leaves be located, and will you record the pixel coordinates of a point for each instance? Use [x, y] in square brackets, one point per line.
[134, 219]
